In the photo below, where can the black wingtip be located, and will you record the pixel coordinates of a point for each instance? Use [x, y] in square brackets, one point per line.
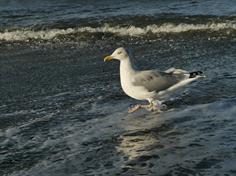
[195, 73]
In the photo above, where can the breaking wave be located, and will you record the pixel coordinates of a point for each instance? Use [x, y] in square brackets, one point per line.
[48, 34]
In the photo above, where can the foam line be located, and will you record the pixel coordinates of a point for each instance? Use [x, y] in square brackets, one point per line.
[24, 34]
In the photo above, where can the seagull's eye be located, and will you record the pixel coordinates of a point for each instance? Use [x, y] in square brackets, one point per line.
[119, 52]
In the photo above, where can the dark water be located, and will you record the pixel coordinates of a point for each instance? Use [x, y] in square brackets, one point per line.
[63, 112]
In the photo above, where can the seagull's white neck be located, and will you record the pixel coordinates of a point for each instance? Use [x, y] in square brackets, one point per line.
[127, 72]
[126, 67]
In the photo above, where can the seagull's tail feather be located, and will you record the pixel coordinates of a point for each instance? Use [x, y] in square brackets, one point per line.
[195, 73]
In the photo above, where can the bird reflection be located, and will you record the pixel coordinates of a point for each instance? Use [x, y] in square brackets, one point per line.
[141, 137]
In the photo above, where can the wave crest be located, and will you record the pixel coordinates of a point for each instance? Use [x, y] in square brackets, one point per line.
[24, 35]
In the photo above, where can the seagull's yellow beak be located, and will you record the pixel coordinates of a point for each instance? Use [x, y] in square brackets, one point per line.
[108, 58]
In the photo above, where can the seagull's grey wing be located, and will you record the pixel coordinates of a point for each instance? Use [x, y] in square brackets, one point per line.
[154, 80]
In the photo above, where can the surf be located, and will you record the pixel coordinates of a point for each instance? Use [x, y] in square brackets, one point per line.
[131, 30]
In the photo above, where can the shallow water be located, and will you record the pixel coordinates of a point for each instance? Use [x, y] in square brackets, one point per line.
[63, 112]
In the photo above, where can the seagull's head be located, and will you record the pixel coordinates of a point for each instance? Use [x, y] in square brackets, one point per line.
[119, 54]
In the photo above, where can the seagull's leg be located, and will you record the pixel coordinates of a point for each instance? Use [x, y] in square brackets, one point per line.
[158, 106]
[152, 106]
[148, 106]
[139, 106]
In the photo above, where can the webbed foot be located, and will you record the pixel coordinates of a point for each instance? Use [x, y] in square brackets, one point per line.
[134, 108]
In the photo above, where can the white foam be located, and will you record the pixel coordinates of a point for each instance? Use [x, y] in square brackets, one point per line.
[24, 35]
[155, 29]
[21, 35]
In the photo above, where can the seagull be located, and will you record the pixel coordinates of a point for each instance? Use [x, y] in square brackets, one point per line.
[150, 85]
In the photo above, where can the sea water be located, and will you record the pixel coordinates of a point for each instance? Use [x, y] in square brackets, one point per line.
[62, 109]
